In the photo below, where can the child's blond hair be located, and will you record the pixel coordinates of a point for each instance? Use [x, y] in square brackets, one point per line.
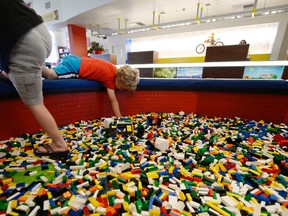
[129, 77]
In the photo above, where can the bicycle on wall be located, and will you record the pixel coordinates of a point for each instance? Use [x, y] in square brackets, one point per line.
[200, 48]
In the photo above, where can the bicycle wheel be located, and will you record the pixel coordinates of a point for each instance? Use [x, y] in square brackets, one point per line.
[200, 48]
[218, 43]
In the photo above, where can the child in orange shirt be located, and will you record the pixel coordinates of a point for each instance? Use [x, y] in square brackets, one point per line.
[125, 78]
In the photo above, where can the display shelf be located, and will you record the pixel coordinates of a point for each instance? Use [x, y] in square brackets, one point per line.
[63, 51]
[272, 65]
[107, 57]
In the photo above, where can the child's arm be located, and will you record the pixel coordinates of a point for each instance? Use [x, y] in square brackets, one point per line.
[114, 102]
[4, 75]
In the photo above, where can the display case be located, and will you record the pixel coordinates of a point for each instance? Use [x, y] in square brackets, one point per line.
[145, 57]
[224, 54]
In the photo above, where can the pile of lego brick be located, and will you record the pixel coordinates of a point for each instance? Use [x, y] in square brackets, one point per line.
[150, 164]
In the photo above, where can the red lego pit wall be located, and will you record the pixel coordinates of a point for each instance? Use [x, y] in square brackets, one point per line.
[67, 108]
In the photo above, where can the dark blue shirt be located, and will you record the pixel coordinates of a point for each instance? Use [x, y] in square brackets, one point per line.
[16, 19]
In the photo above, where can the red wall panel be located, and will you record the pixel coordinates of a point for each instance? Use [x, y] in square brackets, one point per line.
[15, 118]
[77, 40]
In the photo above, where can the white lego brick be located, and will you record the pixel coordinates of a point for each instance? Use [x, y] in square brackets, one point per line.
[257, 210]
[107, 122]
[161, 144]
[179, 206]
[34, 211]
[173, 200]
[227, 201]
[46, 205]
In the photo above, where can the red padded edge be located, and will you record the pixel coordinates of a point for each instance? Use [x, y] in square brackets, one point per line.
[15, 118]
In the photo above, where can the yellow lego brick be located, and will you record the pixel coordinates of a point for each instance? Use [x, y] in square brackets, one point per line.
[226, 153]
[231, 194]
[95, 214]
[126, 206]
[14, 204]
[231, 171]
[49, 195]
[181, 196]
[247, 209]
[240, 157]
[139, 185]
[7, 181]
[184, 172]
[163, 195]
[216, 208]
[214, 170]
[154, 212]
[259, 142]
[102, 175]
[153, 175]
[129, 175]
[82, 190]
[170, 170]
[104, 196]
[219, 178]
[12, 185]
[195, 172]
[276, 184]
[221, 139]
[254, 200]
[221, 166]
[71, 198]
[104, 165]
[113, 174]
[100, 187]
[13, 213]
[94, 202]
[259, 170]
[189, 198]
[254, 172]
[111, 193]
[244, 169]
[274, 153]
[186, 213]
[240, 205]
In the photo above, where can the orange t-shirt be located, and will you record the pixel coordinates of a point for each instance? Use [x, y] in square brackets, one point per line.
[99, 70]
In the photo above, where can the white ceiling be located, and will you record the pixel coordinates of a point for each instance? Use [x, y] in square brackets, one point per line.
[170, 11]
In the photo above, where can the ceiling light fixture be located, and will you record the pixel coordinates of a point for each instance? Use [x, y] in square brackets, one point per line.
[119, 27]
[153, 19]
[197, 13]
[208, 20]
[125, 24]
[254, 8]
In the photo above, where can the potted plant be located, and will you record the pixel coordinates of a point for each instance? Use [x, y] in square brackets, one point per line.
[95, 48]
